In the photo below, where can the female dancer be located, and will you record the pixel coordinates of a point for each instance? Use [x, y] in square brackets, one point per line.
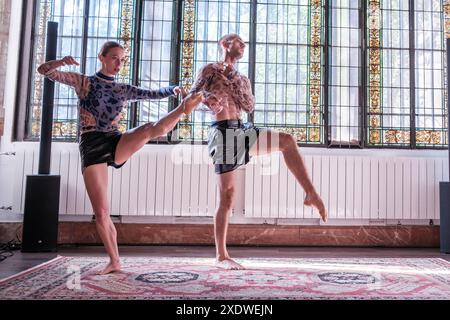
[101, 100]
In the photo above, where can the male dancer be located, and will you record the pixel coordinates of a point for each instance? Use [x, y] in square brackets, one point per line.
[231, 143]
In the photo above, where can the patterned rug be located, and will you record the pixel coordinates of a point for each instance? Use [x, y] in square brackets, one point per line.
[197, 278]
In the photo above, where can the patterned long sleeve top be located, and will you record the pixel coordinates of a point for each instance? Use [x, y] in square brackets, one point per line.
[101, 99]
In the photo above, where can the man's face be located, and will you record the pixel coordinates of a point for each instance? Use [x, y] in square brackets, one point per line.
[236, 47]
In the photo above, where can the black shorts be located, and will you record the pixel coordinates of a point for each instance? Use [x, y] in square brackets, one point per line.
[99, 147]
[229, 143]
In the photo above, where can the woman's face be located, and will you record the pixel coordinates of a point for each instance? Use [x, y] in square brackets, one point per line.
[113, 61]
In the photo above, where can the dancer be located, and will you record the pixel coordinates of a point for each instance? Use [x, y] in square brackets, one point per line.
[101, 100]
[231, 143]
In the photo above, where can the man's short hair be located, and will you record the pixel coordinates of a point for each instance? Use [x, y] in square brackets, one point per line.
[226, 38]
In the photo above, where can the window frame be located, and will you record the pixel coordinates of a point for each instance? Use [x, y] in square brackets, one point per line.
[25, 73]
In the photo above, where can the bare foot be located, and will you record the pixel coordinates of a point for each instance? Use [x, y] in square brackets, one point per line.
[111, 267]
[229, 264]
[314, 200]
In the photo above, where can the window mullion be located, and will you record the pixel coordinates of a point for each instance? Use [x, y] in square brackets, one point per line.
[412, 76]
[252, 51]
[85, 36]
[175, 56]
[136, 59]
[84, 44]
[363, 124]
[175, 52]
[326, 57]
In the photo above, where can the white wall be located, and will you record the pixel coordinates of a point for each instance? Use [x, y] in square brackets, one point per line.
[11, 73]
[6, 177]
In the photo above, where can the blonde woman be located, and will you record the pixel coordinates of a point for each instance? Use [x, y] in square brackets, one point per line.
[101, 100]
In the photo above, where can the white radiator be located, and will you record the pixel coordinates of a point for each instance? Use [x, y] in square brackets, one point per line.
[352, 187]
[154, 182]
[158, 182]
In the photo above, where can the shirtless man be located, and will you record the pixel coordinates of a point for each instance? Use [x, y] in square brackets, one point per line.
[231, 143]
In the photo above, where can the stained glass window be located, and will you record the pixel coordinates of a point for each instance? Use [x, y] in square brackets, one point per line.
[344, 72]
[288, 77]
[69, 15]
[340, 72]
[155, 56]
[288, 60]
[374, 71]
[429, 65]
[111, 20]
[107, 20]
[204, 22]
[406, 87]
[389, 69]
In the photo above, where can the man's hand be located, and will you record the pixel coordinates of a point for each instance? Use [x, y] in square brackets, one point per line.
[180, 90]
[214, 103]
[68, 61]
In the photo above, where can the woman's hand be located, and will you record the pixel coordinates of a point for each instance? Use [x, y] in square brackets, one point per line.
[191, 101]
[68, 61]
[54, 64]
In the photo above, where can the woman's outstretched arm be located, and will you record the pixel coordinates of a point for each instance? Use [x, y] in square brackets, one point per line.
[134, 93]
[73, 79]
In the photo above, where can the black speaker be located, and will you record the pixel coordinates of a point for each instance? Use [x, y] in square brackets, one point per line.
[40, 220]
[444, 189]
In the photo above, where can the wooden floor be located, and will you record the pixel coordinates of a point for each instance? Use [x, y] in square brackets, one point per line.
[22, 261]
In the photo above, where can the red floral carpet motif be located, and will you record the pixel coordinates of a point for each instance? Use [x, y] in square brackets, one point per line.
[197, 278]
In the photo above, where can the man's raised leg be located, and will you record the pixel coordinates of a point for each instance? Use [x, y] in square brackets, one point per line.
[271, 141]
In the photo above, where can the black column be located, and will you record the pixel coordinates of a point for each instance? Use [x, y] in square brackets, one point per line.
[47, 103]
[448, 97]
[444, 186]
